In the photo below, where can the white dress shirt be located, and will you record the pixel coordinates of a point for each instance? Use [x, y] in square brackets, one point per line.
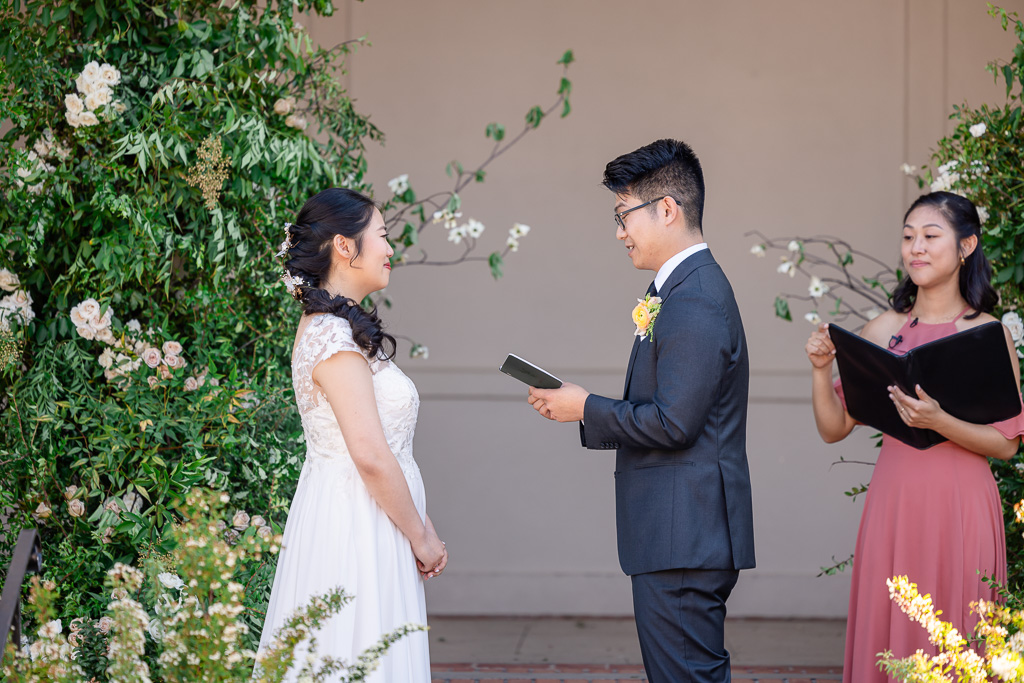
[670, 265]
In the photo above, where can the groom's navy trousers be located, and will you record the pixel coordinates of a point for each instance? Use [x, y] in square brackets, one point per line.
[682, 487]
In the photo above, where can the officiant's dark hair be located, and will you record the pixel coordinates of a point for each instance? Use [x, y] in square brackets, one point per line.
[334, 211]
[664, 168]
[976, 272]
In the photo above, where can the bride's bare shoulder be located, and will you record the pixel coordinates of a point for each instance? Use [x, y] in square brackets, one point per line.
[882, 328]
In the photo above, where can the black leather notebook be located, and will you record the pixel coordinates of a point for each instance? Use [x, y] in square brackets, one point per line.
[968, 373]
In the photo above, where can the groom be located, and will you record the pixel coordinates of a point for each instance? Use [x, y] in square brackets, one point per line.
[682, 488]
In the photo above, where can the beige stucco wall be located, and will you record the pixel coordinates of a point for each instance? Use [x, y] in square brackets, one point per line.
[801, 112]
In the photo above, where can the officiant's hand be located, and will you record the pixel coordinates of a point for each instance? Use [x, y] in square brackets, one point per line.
[564, 404]
[923, 412]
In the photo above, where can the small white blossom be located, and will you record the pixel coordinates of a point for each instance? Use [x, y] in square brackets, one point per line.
[813, 318]
[519, 230]
[399, 184]
[908, 169]
[474, 228]
[758, 250]
[419, 351]
[817, 288]
[978, 129]
[787, 267]
[794, 245]
[512, 243]
[982, 214]
[50, 629]
[457, 234]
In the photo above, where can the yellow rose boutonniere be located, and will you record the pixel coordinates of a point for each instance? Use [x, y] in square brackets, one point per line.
[644, 315]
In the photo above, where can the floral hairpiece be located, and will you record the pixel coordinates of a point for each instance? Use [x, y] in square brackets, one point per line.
[287, 244]
[293, 283]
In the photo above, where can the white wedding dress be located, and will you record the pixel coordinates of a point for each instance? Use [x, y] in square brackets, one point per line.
[337, 535]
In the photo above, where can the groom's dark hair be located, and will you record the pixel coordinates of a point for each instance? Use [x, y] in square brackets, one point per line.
[665, 168]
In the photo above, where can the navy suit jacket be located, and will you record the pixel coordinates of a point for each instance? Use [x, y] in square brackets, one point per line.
[682, 486]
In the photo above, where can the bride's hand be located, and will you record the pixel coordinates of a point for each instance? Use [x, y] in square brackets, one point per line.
[429, 551]
[438, 568]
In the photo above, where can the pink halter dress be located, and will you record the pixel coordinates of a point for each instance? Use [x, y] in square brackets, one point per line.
[933, 515]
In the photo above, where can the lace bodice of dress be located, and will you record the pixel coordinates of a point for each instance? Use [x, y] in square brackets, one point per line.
[397, 400]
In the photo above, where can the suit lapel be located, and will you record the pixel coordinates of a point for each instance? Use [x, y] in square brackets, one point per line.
[682, 271]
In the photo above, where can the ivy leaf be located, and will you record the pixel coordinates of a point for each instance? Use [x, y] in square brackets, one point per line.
[495, 261]
[782, 309]
[567, 58]
[534, 116]
[566, 108]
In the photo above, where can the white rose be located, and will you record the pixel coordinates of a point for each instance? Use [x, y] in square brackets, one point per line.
[9, 281]
[104, 623]
[101, 322]
[172, 361]
[172, 348]
[153, 381]
[73, 103]
[133, 325]
[106, 359]
[76, 508]
[1013, 321]
[74, 120]
[265, 532]
[978, 129]
[42, 511]
[91, 71]
[70, 492]
[90, 308]
[982, 214]
[87, 332]
[84, 85]
[87, 118]
[109, 75]
[99, 98]
[257, 520]
[191, 384]
[106, 335]
[152, 356]
[241, 520]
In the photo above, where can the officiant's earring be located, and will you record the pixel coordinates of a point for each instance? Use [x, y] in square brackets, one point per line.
[963, 261]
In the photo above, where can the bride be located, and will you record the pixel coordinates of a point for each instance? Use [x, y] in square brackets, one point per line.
[358, 519]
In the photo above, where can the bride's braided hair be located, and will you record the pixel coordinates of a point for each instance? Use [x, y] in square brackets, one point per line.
[334, 211]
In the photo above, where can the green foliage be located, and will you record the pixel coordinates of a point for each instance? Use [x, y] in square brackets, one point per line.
[152, 338]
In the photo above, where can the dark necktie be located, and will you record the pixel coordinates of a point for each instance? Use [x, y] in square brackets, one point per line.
[652, 290]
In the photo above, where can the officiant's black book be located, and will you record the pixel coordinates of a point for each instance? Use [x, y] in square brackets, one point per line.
[968, 373]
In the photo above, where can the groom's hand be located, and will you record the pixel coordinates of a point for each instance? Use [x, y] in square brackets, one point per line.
[564, 404]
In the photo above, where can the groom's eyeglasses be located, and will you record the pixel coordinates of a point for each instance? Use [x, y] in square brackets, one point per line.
[620, 214]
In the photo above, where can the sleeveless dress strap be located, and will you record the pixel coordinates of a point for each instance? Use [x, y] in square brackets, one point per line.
[960, 314]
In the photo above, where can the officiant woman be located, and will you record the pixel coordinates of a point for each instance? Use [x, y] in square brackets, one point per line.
[933, 515]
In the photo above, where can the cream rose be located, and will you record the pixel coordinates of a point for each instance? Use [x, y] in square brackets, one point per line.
[106, 336]
[109, 75]
[9, 281]
[191, 384]
[106, 359]
[98, 98]
[1013, 322]
[151, 356]
[76, 508]
[241, 520]
[91, 71]
[105, 623]
[70, 492]
[74, 120]
[73, 103]
[102, 321]
[172, 348]
[87, 118]
[87, 332]
[90, 308]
